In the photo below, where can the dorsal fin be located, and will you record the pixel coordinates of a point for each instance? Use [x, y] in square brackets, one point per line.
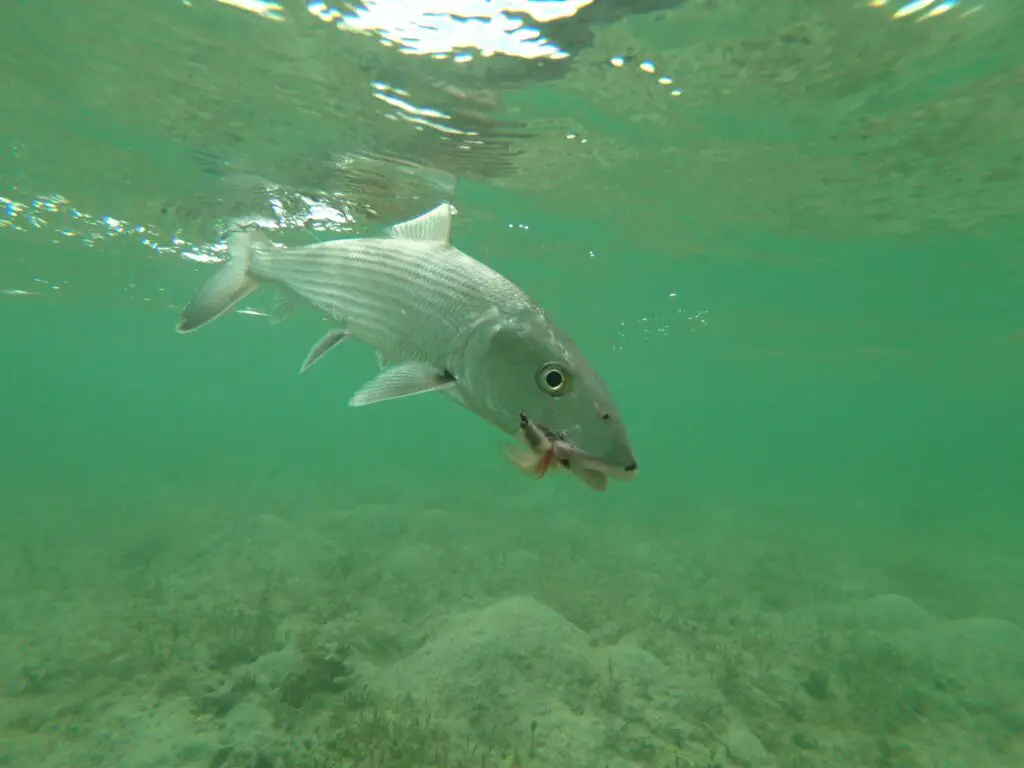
[434, 226]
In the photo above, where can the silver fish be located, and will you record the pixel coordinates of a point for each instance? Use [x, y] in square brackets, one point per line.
[439, 321]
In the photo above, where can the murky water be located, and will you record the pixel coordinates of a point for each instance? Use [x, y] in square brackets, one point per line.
[787, 235]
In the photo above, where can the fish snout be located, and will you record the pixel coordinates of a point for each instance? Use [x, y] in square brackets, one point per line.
[621, 471]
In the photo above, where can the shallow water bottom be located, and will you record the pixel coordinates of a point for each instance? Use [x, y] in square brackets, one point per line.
[505, 635]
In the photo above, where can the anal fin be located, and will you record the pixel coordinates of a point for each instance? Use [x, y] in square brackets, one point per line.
[402, 380]
[330, 340]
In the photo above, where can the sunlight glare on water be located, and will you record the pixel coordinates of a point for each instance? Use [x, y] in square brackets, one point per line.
[442, 28]
[925, 9]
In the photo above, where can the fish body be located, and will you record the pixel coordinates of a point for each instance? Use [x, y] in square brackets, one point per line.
[439, 321]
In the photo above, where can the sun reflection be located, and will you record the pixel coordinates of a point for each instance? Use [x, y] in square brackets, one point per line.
[263, 8]
[922, 9]
[648, 67]
[409, 112]
[449, 28]
[54, 214]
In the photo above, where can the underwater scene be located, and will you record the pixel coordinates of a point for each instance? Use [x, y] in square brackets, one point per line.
[512, 384]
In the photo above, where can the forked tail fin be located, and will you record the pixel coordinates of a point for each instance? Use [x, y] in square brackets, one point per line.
[229, 284]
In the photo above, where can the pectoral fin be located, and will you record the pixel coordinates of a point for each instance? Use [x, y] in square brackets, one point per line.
[330, 340]
[402, 381]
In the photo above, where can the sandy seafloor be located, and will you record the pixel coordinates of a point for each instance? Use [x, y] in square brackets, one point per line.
[503, 636]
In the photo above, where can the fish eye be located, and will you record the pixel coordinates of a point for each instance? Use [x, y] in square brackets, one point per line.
[553, 379]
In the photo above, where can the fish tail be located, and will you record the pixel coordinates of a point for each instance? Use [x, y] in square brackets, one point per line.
[230, 283]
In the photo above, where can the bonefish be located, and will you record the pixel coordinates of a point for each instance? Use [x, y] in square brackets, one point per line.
[439, 321]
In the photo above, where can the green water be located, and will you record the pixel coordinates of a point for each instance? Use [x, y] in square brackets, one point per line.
[800, 275]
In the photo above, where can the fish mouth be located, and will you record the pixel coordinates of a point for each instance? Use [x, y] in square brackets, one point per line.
[627, 472]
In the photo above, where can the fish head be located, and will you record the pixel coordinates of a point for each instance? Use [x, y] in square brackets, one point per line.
[527, 365]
